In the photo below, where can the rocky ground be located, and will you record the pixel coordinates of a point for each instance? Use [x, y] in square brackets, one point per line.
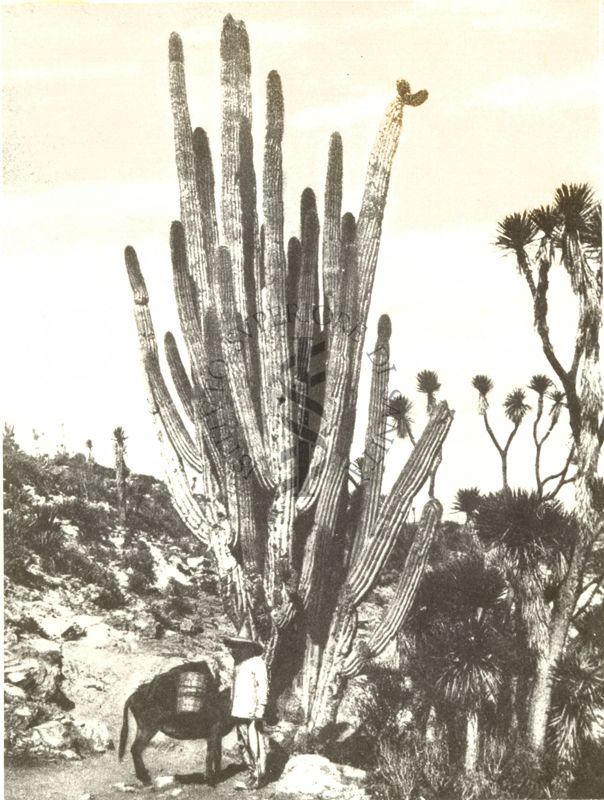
[93, 608]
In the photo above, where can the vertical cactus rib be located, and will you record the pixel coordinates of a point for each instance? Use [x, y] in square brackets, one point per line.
[377, 546]
[191, 328]
[374, 454]
[331, 226]
[204, 174]
[190, 210]
[404, 594]
[274, 346]
[338, 375]
[179, 375]
[236, 368]
[236, 117]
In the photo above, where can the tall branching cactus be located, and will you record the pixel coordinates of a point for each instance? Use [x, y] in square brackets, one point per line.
[274, 334]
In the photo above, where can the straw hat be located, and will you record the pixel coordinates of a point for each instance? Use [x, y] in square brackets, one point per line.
[244, 638]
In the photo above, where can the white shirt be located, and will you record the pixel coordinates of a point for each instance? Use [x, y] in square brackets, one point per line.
[250, 688]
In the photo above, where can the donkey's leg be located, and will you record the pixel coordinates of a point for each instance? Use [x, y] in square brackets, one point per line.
[213, 756]
[142, 739]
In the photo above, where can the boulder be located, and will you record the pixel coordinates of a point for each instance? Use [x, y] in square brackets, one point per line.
[92, 736]
[352, 712]
[65, 738]
[313, 776]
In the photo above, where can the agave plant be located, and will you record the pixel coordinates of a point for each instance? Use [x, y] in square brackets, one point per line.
[578, 694]
[428, 384]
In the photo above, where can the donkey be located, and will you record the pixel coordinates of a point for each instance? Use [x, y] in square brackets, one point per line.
[158, 706]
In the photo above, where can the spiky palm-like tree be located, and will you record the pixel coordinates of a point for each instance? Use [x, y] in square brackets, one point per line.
[89, 448]
[400, 408]
[534, 541]
[121, 471]
[515, 410]
[569, 233]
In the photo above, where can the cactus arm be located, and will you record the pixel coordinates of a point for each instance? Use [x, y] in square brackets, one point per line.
[329, 441]
[180, 490]
[404, 594]
[179, 375]
[273, 342]
[236, 114]
[375, 450]
[377, 180]
[331, 226]
[190, 210]
[204, 175]
[189, 321]
[378, 545]
[171, 421]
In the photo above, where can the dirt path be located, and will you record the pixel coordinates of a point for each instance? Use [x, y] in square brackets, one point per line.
[97, 775]
[101, 670]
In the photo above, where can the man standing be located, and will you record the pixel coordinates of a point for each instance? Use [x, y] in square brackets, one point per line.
[250, 691]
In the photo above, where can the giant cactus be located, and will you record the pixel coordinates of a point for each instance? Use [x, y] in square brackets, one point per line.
[274, 334]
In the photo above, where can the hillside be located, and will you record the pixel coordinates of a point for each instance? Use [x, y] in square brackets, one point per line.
[93, 608]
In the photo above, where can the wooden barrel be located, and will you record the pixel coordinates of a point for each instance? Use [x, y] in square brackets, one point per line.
[191, 691]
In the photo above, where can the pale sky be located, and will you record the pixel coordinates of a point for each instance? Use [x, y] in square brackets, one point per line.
[514, 111]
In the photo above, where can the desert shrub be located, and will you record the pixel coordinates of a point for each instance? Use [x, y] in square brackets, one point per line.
[21, 469]
[178, 598]
[138, 584]
[110, 596]
[407, 766]
[93, 521]
[140, 561]
[81, 566]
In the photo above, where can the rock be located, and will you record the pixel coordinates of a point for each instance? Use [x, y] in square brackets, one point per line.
[124, 787]
[358, 695]
[175, 792]
[73, 633]
[314, 776]
[51, 735]
[93, 736]
[13, 692]
[164, 780]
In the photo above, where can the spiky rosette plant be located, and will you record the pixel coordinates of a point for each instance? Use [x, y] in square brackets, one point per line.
[400, 409]
[467, 501]
[578, 696]
[274, 334]
[483, 385]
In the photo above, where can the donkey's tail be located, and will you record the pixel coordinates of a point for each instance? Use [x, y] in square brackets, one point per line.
[124, 732]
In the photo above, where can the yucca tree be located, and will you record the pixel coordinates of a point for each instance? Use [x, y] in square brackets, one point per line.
[400, 409]
[569, 233]
[121, 471]
[89, 448]
[533, 541]
[275, 335]
[515, 409]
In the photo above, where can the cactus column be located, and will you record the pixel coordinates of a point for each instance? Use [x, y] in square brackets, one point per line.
[274, 337]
